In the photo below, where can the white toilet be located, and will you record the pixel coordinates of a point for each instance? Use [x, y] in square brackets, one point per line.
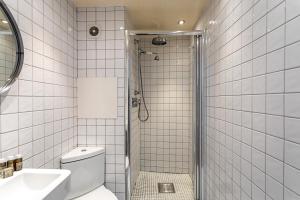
[87, 174]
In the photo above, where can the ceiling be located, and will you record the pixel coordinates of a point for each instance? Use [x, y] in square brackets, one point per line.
[156, 14]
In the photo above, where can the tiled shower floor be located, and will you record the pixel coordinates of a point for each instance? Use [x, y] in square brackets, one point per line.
[146, 186]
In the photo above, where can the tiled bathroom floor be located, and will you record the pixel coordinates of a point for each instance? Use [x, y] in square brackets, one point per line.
[146, 186]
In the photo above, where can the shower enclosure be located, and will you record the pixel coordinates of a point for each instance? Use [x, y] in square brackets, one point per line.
[164, 109]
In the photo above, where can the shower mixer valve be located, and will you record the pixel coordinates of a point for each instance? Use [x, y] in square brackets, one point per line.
[136, 92]
[135, 102]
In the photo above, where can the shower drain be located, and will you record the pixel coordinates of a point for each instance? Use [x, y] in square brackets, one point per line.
[166, 188]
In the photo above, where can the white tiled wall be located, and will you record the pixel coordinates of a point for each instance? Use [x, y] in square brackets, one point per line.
[166, 136]
[104, 56]
[253, 93]
[38, 114]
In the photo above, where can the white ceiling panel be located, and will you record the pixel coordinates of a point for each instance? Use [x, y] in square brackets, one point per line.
[155, 14]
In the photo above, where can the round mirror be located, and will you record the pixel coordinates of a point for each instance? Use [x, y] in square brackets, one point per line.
[11, 49]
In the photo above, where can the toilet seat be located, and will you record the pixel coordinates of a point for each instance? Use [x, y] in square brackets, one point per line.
[100, 193]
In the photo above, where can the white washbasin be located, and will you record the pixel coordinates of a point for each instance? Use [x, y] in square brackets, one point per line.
[36, 184]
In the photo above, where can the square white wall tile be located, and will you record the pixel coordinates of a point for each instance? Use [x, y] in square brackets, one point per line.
[30, 100]
[270, 58]
[97, 58]
[166, 136]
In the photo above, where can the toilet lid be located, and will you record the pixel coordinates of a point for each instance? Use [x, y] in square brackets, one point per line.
[100, 193]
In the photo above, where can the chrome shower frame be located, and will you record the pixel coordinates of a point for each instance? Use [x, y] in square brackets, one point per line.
[199, 101]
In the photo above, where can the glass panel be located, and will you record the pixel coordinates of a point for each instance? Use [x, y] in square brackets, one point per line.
[11, 49]
[8, 46]
[161, 148]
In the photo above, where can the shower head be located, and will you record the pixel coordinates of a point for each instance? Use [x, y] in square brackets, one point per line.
[159, 41]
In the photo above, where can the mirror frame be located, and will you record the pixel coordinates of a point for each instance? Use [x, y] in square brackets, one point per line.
[19, 49]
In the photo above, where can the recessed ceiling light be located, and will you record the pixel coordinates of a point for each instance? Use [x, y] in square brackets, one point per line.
[212, 22]
[181, 22]
[4, 21]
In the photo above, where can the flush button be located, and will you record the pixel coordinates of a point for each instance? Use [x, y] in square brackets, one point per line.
[83, 150]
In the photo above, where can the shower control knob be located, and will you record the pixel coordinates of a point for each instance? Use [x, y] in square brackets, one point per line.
[135, 102]
[136, 92]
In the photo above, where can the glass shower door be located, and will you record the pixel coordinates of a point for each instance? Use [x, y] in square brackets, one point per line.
[197, 113]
